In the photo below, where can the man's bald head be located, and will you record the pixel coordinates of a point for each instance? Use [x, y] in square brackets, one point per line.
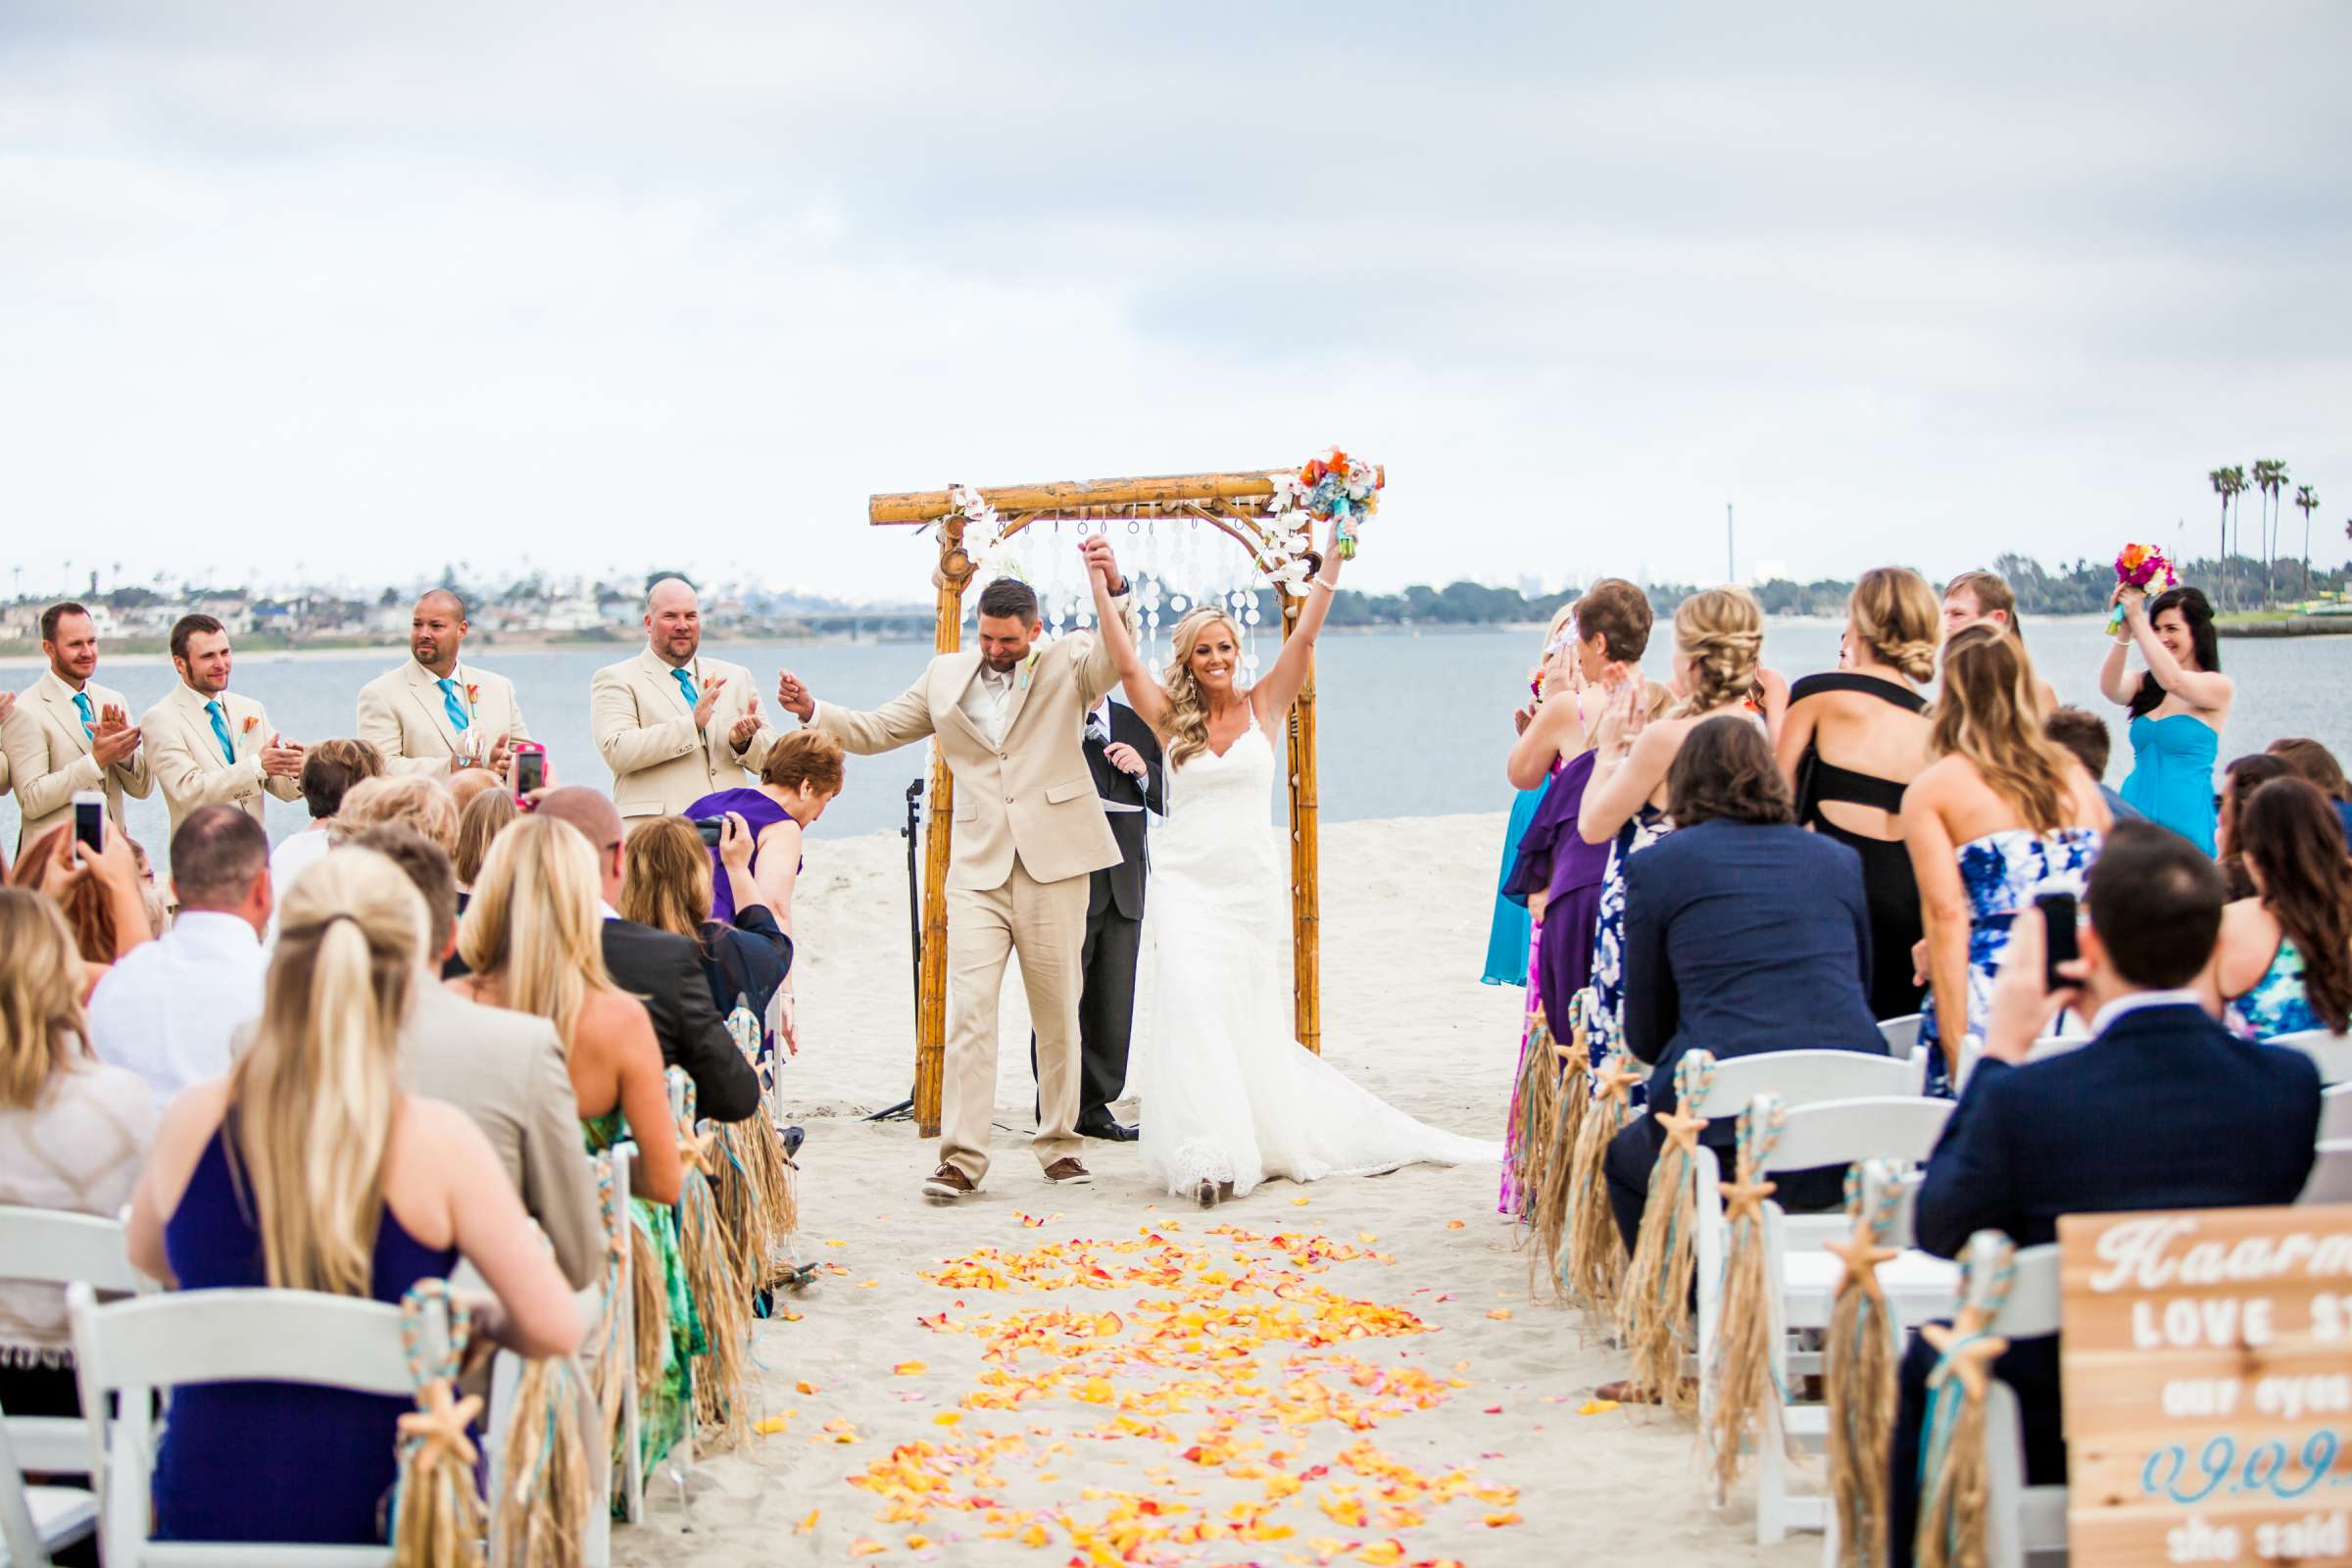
[673, 622]
[437, 630]
[598, 821]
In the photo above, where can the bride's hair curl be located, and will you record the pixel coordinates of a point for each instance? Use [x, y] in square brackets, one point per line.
[1188, 708]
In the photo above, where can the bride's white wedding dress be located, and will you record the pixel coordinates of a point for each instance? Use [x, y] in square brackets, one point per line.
[1229, 1095]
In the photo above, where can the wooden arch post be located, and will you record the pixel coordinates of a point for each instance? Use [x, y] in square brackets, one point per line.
[1236, 504]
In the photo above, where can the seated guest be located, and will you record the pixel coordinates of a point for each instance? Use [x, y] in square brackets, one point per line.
[531, 937]
[479, 821]
[662, 966]
[2316, 762]
[505, 1069]
[308, 1168]
[471, 785]
[100, 895]
[666, 884]
[72, 1133]
[2163, 1110]
[798, 780]
[1744, 933]
[2084, 733]
[329, 769]
[2286, 960]
[415, 799]
[168, 1010]
[2240, 781]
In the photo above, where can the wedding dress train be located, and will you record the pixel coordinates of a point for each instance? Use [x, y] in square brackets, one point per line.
[1228, 1094]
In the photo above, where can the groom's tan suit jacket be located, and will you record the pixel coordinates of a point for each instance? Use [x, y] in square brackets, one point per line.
[1032, 795]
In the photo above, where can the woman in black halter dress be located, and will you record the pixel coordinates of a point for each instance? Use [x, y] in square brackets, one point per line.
[1852, 742]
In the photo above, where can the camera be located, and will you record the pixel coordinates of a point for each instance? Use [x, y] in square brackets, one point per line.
[711, 828]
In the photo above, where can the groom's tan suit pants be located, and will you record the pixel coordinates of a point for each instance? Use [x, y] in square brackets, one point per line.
[1045, 923]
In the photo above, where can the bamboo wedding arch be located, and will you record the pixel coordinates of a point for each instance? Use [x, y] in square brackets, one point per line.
[1237, 505]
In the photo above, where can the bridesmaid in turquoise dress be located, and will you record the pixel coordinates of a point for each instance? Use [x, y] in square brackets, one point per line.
[1509, 934]
[2177, 705]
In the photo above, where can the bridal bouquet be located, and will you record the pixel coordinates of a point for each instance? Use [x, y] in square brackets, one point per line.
[1333, 488]
[2138, 566]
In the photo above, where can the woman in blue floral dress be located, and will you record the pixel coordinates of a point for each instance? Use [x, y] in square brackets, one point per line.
[2286, 960]
[1718, 639]
[2002, 817]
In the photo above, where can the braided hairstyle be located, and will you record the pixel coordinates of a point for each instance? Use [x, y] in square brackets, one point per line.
[1721, 631]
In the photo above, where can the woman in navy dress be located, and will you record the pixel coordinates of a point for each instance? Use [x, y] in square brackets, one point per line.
[308, 1169]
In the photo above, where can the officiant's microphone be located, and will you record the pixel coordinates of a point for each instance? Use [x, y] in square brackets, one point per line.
[912, 832]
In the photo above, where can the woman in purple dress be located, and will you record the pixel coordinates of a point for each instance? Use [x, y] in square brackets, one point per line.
[1560, 872]
[802, 775]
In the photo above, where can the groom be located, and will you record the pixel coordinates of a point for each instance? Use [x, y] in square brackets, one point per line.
[1029, 835]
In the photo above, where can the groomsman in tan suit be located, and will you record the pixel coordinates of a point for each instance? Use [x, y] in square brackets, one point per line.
[207, 746]
[68, 733]
[1029, 835]
[672, 726]
[436, 713]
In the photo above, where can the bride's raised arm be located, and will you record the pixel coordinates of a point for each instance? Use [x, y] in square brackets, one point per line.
[1272, 696]
[1144, 693]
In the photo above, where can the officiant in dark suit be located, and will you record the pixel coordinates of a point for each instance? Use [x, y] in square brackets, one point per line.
[1124, 757]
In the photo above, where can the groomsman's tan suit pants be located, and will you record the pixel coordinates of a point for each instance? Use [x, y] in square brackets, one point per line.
[1045, 923]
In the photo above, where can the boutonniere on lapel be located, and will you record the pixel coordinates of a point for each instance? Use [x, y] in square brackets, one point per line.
[251, 719]
[1029, 667]
[473, 695]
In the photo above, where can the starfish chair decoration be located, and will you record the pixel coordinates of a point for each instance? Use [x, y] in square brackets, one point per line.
[1872, 1191]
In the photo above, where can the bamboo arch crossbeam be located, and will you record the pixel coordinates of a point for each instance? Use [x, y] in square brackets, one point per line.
[1234, 504]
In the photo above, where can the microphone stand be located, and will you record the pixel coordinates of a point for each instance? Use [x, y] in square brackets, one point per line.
[904, 1110]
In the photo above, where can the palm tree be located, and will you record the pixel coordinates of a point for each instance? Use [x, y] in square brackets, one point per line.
[2307, 502]
[2220, 478]
[2270, 478]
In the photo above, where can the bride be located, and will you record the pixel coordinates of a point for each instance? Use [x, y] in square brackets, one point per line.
[1229, 1096]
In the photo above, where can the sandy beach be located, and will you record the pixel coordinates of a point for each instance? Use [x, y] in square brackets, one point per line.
[1219, 1388]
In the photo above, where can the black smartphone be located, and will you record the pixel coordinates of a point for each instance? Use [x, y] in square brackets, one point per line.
[530, 767]
[711, 828]
[2058, 920]
[89, 820]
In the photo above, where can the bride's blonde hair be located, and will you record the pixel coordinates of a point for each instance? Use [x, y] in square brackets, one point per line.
[1188, 709]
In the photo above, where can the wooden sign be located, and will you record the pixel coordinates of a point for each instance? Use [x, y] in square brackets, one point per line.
[2207, 1364]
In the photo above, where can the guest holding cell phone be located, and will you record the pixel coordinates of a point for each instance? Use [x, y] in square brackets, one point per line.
[99, 894]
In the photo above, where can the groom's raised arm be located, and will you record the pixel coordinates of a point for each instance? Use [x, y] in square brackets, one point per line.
[901, 722]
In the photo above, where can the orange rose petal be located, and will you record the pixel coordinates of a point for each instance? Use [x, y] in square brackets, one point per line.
[1499, 1314]
[865, 1548]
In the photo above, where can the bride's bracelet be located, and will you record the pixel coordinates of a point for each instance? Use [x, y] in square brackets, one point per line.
[1329, 588]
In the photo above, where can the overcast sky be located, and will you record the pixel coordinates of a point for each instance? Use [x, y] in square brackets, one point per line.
[370, 287]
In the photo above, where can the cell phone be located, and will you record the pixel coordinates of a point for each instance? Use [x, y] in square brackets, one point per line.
[530, 767]
[2058, 920]
[711, 828]
[89, 820]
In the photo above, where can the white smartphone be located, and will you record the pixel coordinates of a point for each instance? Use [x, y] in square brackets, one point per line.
[89, 820]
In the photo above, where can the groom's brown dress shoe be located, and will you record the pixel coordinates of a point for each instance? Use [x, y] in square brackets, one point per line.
[949, 1183]
[1068, 1171]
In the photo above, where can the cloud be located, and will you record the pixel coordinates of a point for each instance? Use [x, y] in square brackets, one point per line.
[373, 290]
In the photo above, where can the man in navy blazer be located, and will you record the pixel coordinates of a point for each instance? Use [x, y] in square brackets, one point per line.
[2163, 1110]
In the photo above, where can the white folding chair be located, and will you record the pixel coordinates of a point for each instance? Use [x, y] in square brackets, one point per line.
[1801, 1279]
[2336, 1112]
[50, 1247]
[2330, 1179]
[2021, 1520]
[2331, 1052]
[1900, 1034]
[2042, 1049]
[131, 1349]
[35, 1521]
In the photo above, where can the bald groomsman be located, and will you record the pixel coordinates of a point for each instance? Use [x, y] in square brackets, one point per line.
[207, 746]
[672, 726]
[68, 733]
[436, 713]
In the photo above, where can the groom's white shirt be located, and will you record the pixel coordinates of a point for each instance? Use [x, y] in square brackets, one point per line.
[987, 702]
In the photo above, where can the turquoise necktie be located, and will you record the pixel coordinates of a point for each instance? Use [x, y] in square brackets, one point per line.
[89, 717]
[449, 700]
[686, 685]
[228, 748]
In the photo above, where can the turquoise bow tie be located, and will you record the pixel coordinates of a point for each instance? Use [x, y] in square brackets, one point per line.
[89, 715]
[686, 685]
[228, 748]
[449, 700]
